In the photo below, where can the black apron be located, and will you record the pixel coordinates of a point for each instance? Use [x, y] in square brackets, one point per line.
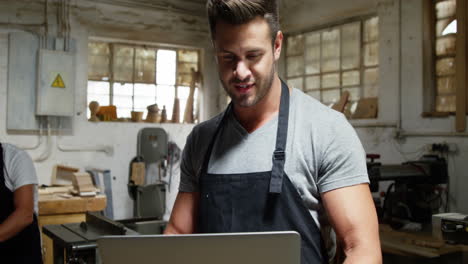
[259, 201]
[24, 247]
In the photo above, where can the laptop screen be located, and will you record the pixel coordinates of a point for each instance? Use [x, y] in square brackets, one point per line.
[224, 248]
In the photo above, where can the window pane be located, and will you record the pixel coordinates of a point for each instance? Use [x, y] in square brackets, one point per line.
[123, 112]
[102, 88]
[354, 93]
[123, 101]
[295, 45]
[123, 89]
[101, 99]
[330, 96]
[312, 82]
[351, 78]
[188, 56]
[312, 53]
[295, 66]
[446, 85]
[351, 45]
[445, 103]
[445, 9]
[314, 94]
[145, 65]
[296, 83]
[331, 80]
[98, 61]
[371, 82]
[166, 67]
[446, 45]
[445, 66]
[123, 63]
[331, 50]
[371, 30]
[165, 97]
[142, 102]
[371, 54]
[148, 90]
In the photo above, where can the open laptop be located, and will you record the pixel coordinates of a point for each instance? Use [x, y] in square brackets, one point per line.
[224, 248]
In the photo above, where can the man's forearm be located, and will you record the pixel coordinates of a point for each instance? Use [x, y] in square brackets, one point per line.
[14, 223]
[363, 253]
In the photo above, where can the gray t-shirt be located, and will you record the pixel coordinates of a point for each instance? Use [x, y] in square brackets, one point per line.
[323, 151]
[19, 170]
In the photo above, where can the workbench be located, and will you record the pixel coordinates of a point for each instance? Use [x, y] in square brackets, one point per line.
[419, 247]
[57, 209]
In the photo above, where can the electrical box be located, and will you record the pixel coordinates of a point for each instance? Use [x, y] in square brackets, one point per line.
[55, 83]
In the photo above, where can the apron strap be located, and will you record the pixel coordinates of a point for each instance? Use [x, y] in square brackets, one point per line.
[206, 159]
[279, 155]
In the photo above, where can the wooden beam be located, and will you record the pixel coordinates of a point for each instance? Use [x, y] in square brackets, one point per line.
[460, 61]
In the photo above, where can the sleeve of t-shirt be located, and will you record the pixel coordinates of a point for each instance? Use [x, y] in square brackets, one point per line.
[21, 170]
[188, 172]
[343, 160]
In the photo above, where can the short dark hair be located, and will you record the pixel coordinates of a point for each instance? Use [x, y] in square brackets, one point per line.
[238, 12]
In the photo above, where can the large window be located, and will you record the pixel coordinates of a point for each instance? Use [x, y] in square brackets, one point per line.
[131, 77]
[445, 50]
[325, 63]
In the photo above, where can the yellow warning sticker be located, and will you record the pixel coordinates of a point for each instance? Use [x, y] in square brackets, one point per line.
[58, 82]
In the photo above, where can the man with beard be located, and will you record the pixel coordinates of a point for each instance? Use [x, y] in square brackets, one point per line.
[275, 159]
[20, 241]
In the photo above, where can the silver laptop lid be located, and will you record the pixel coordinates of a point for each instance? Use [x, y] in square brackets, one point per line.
[225, 248]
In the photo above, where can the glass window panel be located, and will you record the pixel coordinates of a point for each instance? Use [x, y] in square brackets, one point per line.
[186, 67]
[445, 9]
[330, 96]
[101, 99]
[296, 83]
[312, 82]
[123, 112]
[145, 65]
[330, 50]
[166, 67]
[446, 85]
[142, 89]
[295, 66]
[446, 45]
[314, 94]
[331, 80]
[188, 56]
[354, 93]
[141, 102]
[123, 63]
[371, 30]
[123, 101]
[98, 60]
[441, 25]
[312, 53]
[123, 89]
[351, 45]
[371, 54]
[102, 88]
[351, 78]
[295, 45]
[165, 95]
[445, 66]
[445, 103]
[371, 82]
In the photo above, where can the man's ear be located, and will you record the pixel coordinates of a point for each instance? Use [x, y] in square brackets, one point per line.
[278, 45]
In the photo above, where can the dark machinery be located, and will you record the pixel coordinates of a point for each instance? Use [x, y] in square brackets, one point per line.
[414, 193]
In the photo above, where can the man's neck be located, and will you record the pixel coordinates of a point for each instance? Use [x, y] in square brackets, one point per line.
[253, 117]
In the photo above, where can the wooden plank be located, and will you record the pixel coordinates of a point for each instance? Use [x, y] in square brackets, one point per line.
[54, 204]
[460, 61]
